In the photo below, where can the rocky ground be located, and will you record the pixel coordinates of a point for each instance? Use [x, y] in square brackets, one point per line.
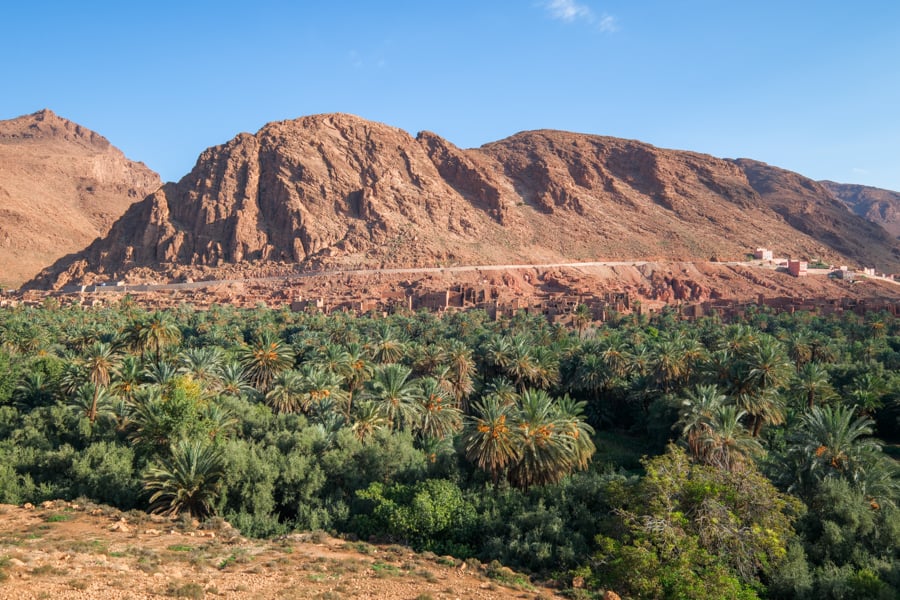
[61, 550]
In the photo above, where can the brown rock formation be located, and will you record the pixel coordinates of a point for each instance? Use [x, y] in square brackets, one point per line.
[811, 208]
[61, 186]
[340, 191]
[876, 205]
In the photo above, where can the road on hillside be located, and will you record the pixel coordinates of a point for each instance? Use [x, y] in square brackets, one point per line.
[422, 271]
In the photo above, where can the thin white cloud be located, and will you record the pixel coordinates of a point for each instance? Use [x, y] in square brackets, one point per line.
[608, 24]
[569, 10]
[359, 61]
[859, 171]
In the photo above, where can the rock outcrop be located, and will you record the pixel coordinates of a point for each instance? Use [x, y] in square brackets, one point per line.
[61, 186]
[339, 191]
[876, 205]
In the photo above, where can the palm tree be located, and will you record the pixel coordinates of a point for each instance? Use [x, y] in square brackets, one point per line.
[368, 418]
[582, 318]
[438, 415]
[546, 372]
[426, 357]
[100, 360]
[490, 440]
[203, 364]
[34, 390]
[286, 394]
[592, 374]
[799, 349]
[359, 372]
[867, 392]
[188, 480]
[88, 400]
[502, 389]
[462, 370]
[572, 415]
[386, 347]
[265, 358]
[232, 380]
[764, 369]
[811, 383]
[219, 420]
[546, 452]
[156, 333]
[334, 358]
[396, 394]
[160, 373]
[614, 353]
[151, 426]
[127, 378]
[320, 385]
[831, 442]
[761, 408]
[670, 364]
[498, 353]
[727, 443]
[523, 364]
[695, 419]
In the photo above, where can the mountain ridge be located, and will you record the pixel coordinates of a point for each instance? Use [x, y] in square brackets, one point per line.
[335, 190]
[61, 186]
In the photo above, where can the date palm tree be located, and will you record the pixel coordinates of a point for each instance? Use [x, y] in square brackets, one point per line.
[695, 421]
[546, 453]
[811, 384]
[320, 385]
[89, 401]
[186, 481]
[33, 390]
[359, 371]
[386, 345]
[286, 394]
[232, 380]
[265, 358]
[126, 378]
[438, 415]
[367, 419]
[156, 333]
[100, 360]
[669, 364]
[160, 373]
[392, 389]
[461, 372]
[571, 413]
[832, 443]
[728, 444]
[491, 441]
[763, 369]
[203, 364]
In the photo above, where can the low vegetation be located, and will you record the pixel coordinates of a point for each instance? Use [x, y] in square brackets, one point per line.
[650, 456]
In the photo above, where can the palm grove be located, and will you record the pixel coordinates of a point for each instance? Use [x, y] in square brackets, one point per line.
[654, 457]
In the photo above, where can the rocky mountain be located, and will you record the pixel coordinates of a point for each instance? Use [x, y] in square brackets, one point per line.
[339, 191]
[61, 186]
[875, 204]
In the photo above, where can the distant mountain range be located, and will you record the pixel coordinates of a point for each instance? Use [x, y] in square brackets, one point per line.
[339, 191]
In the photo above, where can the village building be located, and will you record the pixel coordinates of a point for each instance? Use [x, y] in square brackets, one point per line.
[763, 254]
[798, 268]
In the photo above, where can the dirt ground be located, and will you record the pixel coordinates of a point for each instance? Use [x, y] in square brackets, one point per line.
[65, 551]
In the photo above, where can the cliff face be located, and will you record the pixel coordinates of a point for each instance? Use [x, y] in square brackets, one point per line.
[874, 204]
[340, 191]
[61, 186]
[811, 208]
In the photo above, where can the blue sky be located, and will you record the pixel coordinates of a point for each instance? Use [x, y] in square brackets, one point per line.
[812, 86]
